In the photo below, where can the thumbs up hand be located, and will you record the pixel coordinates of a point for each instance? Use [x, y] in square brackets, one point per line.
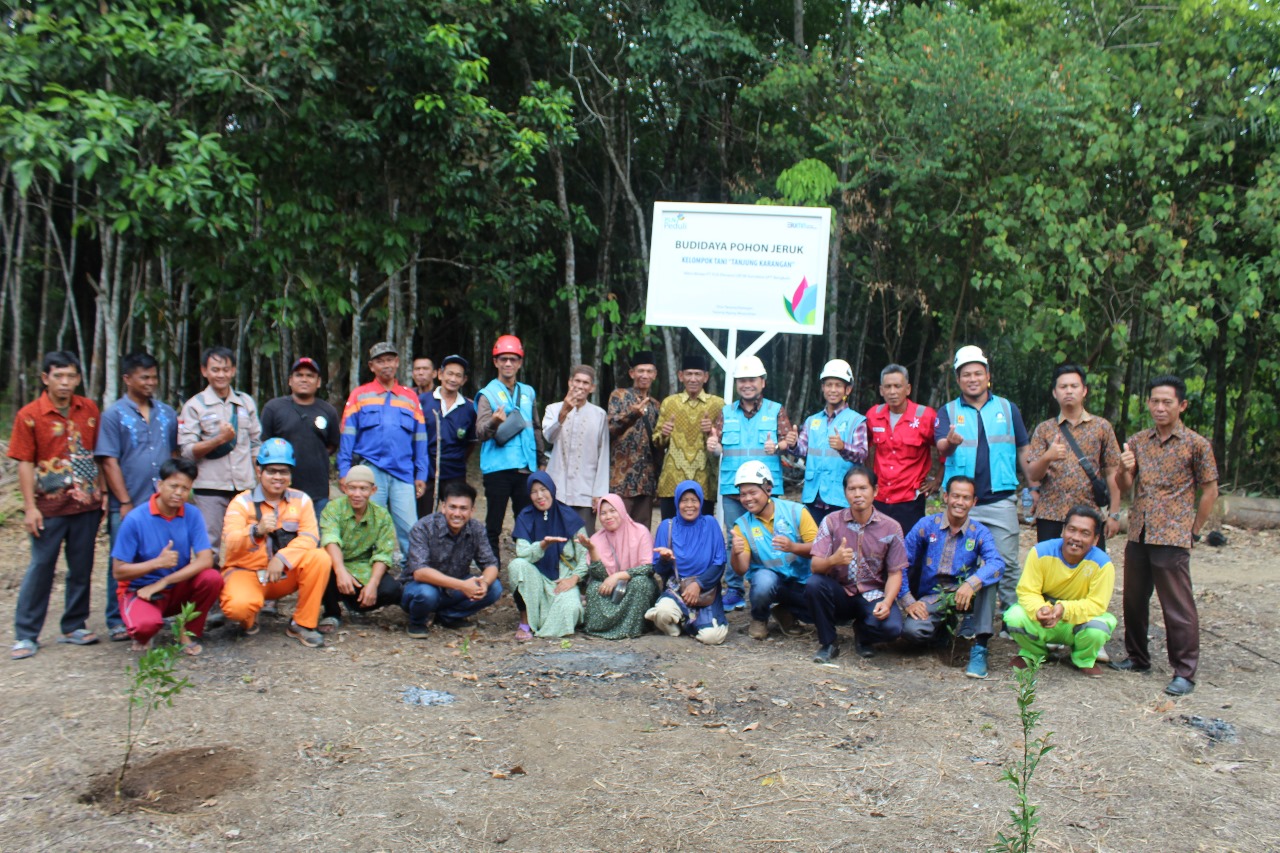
[769, 446]
[792, 439]
[713, 442]
[834, 441]
[844, 554]
[1128, 460]
[168, 557]
[1057, 450]
[669, 426]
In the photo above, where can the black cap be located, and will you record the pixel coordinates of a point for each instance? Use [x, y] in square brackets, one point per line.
[458, 360]
[644, 356]
[695, 362]
[306, 361]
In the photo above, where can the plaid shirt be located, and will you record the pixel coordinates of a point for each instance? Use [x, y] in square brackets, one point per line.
[432, 545]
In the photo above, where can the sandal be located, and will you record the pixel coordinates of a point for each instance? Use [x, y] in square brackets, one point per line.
[192, 649]
[523, 634]
[24, 649]
[119, 634]
[79, 637]
[329, 624]
[250, 630]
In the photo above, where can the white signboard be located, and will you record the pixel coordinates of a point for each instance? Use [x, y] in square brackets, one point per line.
[739, 266]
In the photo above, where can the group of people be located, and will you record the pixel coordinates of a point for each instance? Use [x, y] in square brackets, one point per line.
[231, 509]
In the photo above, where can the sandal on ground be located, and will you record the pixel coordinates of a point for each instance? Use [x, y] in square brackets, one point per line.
[250, 630]
[119, 634]
[329, 624]
[523, 634]
[140, 647]
[192, 649]
[24, 649]
[79, 637]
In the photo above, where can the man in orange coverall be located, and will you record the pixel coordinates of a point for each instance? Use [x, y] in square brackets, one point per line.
[271, 545]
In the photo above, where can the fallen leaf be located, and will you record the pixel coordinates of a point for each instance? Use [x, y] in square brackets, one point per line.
[751, 727]
[877, 814]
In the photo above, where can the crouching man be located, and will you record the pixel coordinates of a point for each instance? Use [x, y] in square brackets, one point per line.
[272, 549]
[950, 554]
[437, 578]
[162, 560]
[360, 538]
[1063, 595]
[771, 543]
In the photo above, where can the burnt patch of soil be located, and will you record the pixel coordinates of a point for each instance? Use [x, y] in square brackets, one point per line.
[174, 782]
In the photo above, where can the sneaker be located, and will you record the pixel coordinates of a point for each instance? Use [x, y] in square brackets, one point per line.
[215, 619]
[309, 638]
[417, 632]
[733, 600]
[758, 630]
[827, 654]
[863, 649]
[977, 662]
[269, 608]
[787, 620]
[1103, 657]
[452, 624]
[329, 624]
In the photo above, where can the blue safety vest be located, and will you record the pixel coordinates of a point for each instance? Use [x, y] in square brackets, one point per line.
[824, 468]
[997, 423]
[786, 522]
[743, 439]
[519, 452]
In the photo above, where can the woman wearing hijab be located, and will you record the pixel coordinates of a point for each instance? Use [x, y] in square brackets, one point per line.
[550, 562]
[620, 585]
[690, 558]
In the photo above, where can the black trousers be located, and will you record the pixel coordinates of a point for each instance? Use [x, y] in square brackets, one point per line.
[388, 593]
[499, 488]
[829, 604]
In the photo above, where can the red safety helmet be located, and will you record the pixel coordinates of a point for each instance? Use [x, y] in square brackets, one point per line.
[508, 345]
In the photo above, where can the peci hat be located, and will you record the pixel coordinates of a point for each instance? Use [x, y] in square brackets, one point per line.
[695, 362]
[360, 474]
[306, 361]
[382, 348]
[642, 357]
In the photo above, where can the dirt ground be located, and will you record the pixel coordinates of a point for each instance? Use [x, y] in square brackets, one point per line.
[651, 744]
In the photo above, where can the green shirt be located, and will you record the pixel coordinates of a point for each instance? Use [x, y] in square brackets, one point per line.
[364, 542]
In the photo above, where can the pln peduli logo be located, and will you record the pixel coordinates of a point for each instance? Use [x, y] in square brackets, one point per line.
[803, 304]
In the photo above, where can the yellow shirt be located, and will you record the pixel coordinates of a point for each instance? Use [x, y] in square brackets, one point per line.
[1084, 591]
[687, 457]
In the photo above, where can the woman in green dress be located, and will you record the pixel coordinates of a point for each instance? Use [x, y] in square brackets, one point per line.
[620, 586]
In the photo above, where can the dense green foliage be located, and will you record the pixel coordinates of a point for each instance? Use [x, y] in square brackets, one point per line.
[1065, 180]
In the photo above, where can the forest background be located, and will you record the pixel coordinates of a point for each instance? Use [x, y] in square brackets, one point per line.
[1089, 181]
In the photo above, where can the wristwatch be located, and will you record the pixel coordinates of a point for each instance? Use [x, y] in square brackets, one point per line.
[1116, 516]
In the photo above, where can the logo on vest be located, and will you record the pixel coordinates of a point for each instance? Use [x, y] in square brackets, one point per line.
[959, 420]
[915, 422]
[999, 417]
[968, 544]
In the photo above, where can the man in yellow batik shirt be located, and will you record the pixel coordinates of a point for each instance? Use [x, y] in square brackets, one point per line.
[684, 422]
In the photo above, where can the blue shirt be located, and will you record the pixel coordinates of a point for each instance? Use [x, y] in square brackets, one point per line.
[941, 553]
[457, 433]
[982, 466]
[139, 445]
[144, 532]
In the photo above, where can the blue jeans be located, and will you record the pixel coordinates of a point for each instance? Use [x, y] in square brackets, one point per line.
[420, 600]
[78, 532]
[401, 500]
[733, 510]
[320, 504]
[769, 588]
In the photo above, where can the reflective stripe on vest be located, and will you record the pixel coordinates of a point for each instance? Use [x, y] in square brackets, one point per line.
[824, 468]
[786, 522]
[1002, 451]
[519, 452]
[743, 438]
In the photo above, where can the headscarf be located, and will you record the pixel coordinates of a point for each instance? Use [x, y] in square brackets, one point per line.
[533, 525]
[629, 546]
[697, 544]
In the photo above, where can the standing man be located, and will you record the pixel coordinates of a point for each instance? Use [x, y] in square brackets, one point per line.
[1075, 458]
[902, 441]
[830, 442]
[685, 421]
[451, 429]
[138, 434]
[424, 375]
[505, 424]
[578, 431]
[633, 417]
[750, 427]
[955, 556]
[382, 424]
[1164, 465]
[310, 425]
[219, 431]
[53, 440]
[983, 437]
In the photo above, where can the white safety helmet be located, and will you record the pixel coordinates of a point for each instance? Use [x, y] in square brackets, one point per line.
[749, 367]
[755, 473]
[968, 355]
[837, 368]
